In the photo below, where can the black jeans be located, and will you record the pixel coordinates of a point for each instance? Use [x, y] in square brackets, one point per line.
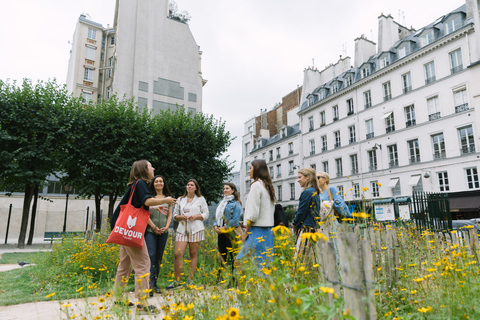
[156, 247]
[223, 243]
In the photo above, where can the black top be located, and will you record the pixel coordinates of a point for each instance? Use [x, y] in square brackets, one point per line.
[308, 209]
[141, 194]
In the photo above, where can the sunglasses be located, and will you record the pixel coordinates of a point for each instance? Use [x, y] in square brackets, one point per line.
[318, 177]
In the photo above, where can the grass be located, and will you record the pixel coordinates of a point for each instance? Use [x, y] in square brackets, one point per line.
[11, 258]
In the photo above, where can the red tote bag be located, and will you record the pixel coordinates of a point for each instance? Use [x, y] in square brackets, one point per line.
[130, 227]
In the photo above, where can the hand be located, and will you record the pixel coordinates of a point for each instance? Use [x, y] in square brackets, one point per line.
[244, 236]
[156, 230]
[161, 209]
[192, 217]
[217, 230]
[181, 217]
[170, 200]
[163, 230]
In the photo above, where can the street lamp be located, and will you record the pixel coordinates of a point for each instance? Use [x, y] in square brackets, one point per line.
[68, 188]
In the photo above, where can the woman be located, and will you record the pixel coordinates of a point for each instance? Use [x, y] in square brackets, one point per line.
[258, 217]
[157, 230]
[309, 202]
[227, 216]
[191, 211]
[141, 171]
[331, 194]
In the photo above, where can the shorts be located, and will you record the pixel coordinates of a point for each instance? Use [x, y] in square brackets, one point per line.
[191, 237]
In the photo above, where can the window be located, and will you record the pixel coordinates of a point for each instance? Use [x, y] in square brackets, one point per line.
[350, 107]
[335, 113]
[403, 51]
[372, 160]
[456, 61]
[367, 98]
[348, 81]
[365, 72]
[109, 73]
[374, 189]
[467, 143]
[284, 133]
[109, 92]
[324, 143]
[112, 40]
[88, 75]
[310, 122]
[438, 143]
[452, 25]
[354, 163]
[110, 61]
[369, 127]
[87, 96]
[290, 148]
[263, 156]
[90, 53]
[247, 148]
[290, 167]
[101, 56]
[278, 153]
[384, 61]
[426, 39]
[443, 181]
[433, 108]
[322, 94]
[279, 192]
[271, 172]
[389, 123]
[406, 82]
[313, 166]
[341, 192]
[334, 87]
[352, 135]
[414, 151]
[392, 156]
[472, 178]
[339, 165]
[292, 191]
[247, 186]
[322, 119]
[247, 168]
[387, 91]
[460, 99]
[429, 72]
[250, 129]
[92, 34]
[312, 147]
[338, 143]
[356, 190]
[325, 166]
[410, 116]
[270, 155]
[279, 170]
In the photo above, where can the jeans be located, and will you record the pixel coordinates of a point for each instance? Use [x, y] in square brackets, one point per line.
[156, 247]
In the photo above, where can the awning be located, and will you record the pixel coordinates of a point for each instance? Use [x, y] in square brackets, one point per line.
[386, 115]
[414, 180]
[392, 183]
[465, 203]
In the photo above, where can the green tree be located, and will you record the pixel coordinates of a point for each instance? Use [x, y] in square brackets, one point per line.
[31, 139]
[191, 146]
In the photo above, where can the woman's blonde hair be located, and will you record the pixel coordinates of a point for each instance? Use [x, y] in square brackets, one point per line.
[312, 178]
[324, 174]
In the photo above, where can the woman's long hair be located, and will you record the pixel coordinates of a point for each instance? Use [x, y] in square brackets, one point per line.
[312, 181]
[197, 192]
[236, 195]
[139, 171]
[166, 189]
[260, 172]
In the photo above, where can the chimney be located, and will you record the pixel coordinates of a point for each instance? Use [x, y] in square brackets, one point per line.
[364, 49]
[387, 32]
[473, 11]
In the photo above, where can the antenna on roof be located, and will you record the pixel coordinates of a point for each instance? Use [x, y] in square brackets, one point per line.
[401, 17]
[313, 63]
[344, 48]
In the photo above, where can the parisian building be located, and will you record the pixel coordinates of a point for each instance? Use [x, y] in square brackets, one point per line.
[147, 54]
[400, 117]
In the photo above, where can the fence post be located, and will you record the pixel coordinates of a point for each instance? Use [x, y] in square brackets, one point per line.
[351, 274]
[473, 237]
[330, 267]
[368, 278]
[8, 222]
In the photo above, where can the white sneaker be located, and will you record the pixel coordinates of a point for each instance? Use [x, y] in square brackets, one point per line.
[173, 285]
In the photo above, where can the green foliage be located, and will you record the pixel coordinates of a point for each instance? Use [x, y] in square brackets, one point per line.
[14, 257]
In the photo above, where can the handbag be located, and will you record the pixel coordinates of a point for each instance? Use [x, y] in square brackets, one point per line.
[130, 226]
[340, 207]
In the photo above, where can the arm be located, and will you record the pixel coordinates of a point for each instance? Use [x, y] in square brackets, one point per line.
[235, 218]
[155, 202]
[177, 214]
[303, 209]
[203, 211]
[169, 220]
[252, 207]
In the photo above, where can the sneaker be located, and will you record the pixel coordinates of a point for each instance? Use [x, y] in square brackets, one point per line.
[189, 282]
[174, 285]
[149, 309]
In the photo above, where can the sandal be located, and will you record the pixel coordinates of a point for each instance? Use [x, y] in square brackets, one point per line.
[124, 303]
[150, 308]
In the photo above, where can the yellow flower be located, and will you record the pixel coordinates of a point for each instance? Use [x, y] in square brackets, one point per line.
[425, 310]
[227, 230]
[361, 215]
[144, 275]
[233, 314]
[413, 291]
[418, 280]
[272, 300]
[283, 230]
[74, 316]
[190, 306]
[379, 184]
[101, 300]
[188, 318]
[364, 189]
[272, 287]
[316, 265]
[298, 301]
[266, 271]
[327, 290]
[80, 289]
[50, 295]
[100, 308]
[260, 239]
[66, 305]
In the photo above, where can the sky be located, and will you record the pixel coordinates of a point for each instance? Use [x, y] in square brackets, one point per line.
[254, 51]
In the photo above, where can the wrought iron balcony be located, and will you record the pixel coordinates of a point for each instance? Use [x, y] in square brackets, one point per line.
[278, 156]
[373, 167]
[387, 97]
[461, 108]
[349, 113]
[467, 149]
[415, 159]
[457, 69]
[434, 116]
[352, 140]
[370, 135]
[430, 80]
[407, 89]
[410, 123]
[439, 155]
[335, 118]
[390, 129]
[393, 164]
[368, 105]
[290, 151]
[338, 145]
[322, 124]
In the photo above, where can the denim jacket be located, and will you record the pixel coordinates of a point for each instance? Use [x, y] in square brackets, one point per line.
[233, 210]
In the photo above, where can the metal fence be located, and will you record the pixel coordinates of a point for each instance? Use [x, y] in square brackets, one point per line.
[431, 211]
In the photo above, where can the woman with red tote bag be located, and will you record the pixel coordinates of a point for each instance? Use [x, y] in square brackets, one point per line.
[131, 254]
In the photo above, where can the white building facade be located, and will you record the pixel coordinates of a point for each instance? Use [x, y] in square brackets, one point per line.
[147, 54]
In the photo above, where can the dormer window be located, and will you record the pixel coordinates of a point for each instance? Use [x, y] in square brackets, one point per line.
[384, 61]
[334, 87]
[311, 100]
[348, 80]
[426, 39]
[404, 50]
[322, 94]
[453, 24]
[365, 72]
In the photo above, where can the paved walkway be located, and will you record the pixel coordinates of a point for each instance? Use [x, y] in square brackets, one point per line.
[50, 310]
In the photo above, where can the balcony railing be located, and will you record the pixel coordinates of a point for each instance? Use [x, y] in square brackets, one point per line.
[290, 151]
[270, 158]
[434, 116]
[338, 145]
[373, 167]
[278, 156]
[461, 108]
[310, 129]
[430, 80]
[457, 69]
[368, 105]
[324, 149]
[354, 170]
[439, 155]
[349, 113]
[335, 118]
[279, 175]
[467, 149]
[390, 129]
[352, 140]
[407, 89]
[410, 123]
[312, 152]
[290, 172]
[393, 164]
[370, 135]
[339, 174]
[415, 159]
[322, 124]
[387, 97]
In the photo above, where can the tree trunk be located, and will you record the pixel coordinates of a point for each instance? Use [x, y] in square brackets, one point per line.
[29, 190]
[34, 216]
[111, 205]
[98, 211]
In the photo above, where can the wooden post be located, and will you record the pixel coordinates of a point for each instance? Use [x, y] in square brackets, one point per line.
[352, 275]
[368, 278]
[331, 273]
[389, 258]
[473, 237]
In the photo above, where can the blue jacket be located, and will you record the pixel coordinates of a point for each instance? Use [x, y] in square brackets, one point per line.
[307, 205]
[232, 213]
